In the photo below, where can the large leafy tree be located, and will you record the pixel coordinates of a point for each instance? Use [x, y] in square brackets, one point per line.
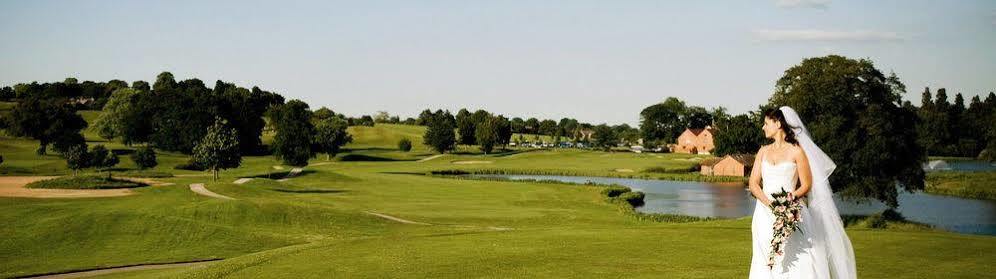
[854, 112]
[111, 122]
[605, 137]
[466, 127]
[439, 134]
[738, 135]
[330, 135]
[504, 128]
[487, 134]
[48, 120]
[244, 110]
[663, 121]
[292, 142]
[698, 117]
[219, 149]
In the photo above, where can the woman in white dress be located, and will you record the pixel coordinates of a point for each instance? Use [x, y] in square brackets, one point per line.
[795, 164]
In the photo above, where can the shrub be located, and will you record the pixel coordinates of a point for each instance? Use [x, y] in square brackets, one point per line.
[633, 198]
[144, 157]
[615, 190]
[190, 165]
[405, 145]
[85, 182]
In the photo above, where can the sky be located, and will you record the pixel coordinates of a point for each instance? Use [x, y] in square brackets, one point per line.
[596, 61]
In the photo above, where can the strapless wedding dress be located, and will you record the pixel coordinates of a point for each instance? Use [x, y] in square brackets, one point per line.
[799, 260]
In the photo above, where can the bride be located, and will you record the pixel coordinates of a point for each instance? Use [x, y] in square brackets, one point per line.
[794, 163]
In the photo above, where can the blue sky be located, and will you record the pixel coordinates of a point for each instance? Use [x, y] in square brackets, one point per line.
[597, 61]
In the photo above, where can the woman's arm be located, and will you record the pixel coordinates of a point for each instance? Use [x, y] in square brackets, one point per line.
[755, 179]
[805, 174]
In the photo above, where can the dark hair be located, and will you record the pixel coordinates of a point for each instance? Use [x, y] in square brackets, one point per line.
[777, 114]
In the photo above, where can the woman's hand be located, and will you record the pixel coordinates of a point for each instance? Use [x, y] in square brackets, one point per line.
[766, 201]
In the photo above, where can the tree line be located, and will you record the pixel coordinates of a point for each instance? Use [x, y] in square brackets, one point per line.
[214, 125]
[954, 129]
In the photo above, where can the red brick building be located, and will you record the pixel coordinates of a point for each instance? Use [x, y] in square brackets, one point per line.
[729, 165]
[695, 141]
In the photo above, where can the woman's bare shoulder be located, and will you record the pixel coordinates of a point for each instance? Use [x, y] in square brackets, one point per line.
[798, 151]
[764, 147]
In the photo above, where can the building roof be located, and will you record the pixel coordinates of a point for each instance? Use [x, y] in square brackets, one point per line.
[711, 161]
[698, 131]
[746, 159]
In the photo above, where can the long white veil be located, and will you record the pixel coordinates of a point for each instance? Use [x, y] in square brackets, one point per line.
[831, 239]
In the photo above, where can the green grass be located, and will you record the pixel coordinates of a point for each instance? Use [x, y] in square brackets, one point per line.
[316, 226]
[85, 182]
[976, 185]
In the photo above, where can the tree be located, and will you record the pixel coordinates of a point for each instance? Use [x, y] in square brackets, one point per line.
[439, 134]
[144, 157]
[487, 134]
[330, 135]
[531, 126]
[292, 142]
[518, 125]
[381, 117]
[626, 134]
[547, 127]
[719, 114]
[141, 86]
[605, 137]
[48, 121]
[466, 126]
[698, 117]
[323, 113]
[244, 110]
[101, 158]
[663, 121]
[853, 113]
[77, 158]
[740, 134]
[7, 93]
[219, 149]
[110, 123]
[164, 82]
[405, 145]
[504, 130]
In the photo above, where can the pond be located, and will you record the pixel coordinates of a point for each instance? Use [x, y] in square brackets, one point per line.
[959, 165]
[732, 200]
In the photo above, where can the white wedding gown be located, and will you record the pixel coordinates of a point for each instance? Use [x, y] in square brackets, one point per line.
[799, 259]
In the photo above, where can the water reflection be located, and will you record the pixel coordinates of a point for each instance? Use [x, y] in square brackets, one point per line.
[732, 200]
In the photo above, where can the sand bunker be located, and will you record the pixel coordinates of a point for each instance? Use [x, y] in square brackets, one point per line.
[624, 170]
[472, 162]
[13, 186]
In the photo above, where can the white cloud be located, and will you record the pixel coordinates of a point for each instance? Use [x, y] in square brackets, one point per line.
[825, 35]
[819, 4]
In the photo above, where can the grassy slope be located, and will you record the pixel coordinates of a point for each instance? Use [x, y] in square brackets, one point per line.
[977, 185]
[318, 219]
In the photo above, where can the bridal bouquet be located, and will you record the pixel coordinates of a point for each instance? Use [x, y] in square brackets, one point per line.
[787, 218]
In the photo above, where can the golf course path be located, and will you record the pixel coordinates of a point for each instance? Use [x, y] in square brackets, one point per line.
[105, 271]
[396, 219]
[431, 157]
[13, 186]
[199, 188]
